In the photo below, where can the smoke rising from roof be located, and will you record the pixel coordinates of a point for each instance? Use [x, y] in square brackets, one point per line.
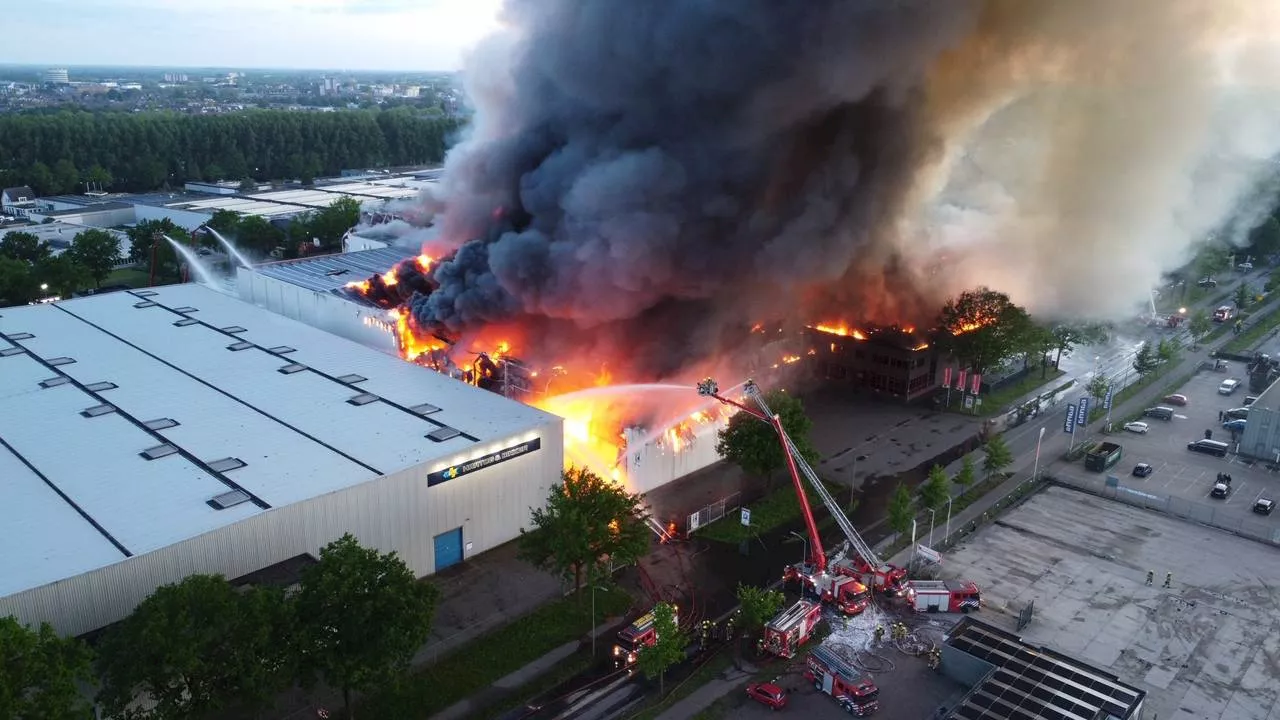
[634, 163]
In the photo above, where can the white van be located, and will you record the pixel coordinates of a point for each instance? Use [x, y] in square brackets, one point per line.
[1228, 386]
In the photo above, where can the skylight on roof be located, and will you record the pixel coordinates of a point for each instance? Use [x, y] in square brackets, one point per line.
[335, 273]
[146, 293]
[159, 451]
[186, 309]
[97, 410]
[236, 347]
[60, 361]
[444, 433]
[351, 379]
[54, 382]
[226, 464]
[144, 304]
[21, 336]
[281, 350]
[100, 386]
[363, 399]
[229, 499]
[424, 409]
[292, 368]
[186, 322]
[161, 424]
[11, 351]
[233, 329]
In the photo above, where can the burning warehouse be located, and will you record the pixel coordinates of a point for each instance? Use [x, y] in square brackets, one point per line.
[894, 361]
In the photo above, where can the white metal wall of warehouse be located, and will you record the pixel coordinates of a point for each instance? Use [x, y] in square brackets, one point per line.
[99, 527]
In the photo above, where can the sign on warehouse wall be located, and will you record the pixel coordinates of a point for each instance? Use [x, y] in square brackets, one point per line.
[485, 461]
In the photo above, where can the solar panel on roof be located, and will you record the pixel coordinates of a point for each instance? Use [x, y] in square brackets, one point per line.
[97, 411]
[11, 351]
[60, 361]
[100, 386]
[226, 464]
[186, 309]
[281, 350]
[159, 451]
[424, 409]
[352, 379]
[54, 382]
[292, 368]
[444, 433]
[237, 347]
[161, 424]
[233, 329]
[363, 399]
[20, 336]
[229, 499]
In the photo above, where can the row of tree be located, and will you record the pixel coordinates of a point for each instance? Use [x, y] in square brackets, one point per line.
[29, 270]
[61, 152]
[935, 492]
[203, 648]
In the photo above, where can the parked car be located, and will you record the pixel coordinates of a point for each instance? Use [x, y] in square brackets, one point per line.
[1245, 267]
[1221, 486]
[1250, 399]
[1228, 386]
[768, 694]
[1159, 413]
[1239, 413]
[1234, 425]
[1207, 283]
[1136, 427]
[1175, 400]
[1264, 506]
[1142, 470]
[1223, 313]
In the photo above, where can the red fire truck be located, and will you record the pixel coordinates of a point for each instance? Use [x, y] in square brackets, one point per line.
[943, 595]
[791, 628]
[836, 588]
[837, 677]
[638, 634]
[888, 579]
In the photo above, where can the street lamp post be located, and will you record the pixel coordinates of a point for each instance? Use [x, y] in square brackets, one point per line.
[949, 510]
[1035, 474]
[804, 558]
[932, 513]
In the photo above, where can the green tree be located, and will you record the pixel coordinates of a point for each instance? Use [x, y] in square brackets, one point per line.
[257, 235]
[754, 446]
[902, 509]
[66, 177]
[936, 489]
[1097, 389]
[41, 179]
[1035, 345]
[225, 222]
[1243, 295]
[984, 327]
[98, 177]
[361, 615]
[149, 236]
[587, 522]
[40, 673]
[1211, 260]
[331, 223]
[24, 246]
[667, 649]
[1167, 350]
[1145, 360]
[198, 647]
[1199, 325]
[997, 456]
[98, 251]
[248, 185]
[758, 606]
[18, 283]
[967, 473]
[1068, 337]
[63, 275]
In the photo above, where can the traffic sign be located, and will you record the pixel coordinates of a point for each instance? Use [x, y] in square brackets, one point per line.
[746, 517]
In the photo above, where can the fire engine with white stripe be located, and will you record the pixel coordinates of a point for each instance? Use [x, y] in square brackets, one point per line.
[960, 596]
[791, 628]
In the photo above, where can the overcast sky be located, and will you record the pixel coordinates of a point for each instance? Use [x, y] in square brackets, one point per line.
[322, 34]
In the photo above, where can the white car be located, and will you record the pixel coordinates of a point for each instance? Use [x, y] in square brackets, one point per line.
[1245, 266]
[1136, 427]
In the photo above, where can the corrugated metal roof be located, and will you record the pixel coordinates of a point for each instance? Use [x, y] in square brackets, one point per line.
[297, 434]
[327, 273]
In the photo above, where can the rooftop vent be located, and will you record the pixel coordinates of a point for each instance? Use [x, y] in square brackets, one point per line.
[444, 433]
[54, 382]
[281, 350]
[21, 336]
[11, 351]
[159, 451]
[60, 361]
[144, 304]
[363, 399]
[335, 273]
[100, 386]
[229, 499]
[161, 424]
[226, 464]
[424, 409]
[186, 322]
[292, 368]
[146, 293]
[186, 309]
[236, 347]
[233, 329]
[351, 379]
[97, 410]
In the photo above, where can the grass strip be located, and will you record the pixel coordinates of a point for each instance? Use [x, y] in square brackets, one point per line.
[777, 508]
[494, 655]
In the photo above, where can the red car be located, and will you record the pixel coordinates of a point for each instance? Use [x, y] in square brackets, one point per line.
[768, 694]
[1176, 399]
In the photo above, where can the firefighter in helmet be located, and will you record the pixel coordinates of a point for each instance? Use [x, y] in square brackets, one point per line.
[1151, 576]
[879, 633]
[935, 658]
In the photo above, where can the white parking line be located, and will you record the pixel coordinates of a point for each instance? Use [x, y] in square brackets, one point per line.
[1243, 484]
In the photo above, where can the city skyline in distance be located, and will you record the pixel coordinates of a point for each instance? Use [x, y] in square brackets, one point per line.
[340, 35]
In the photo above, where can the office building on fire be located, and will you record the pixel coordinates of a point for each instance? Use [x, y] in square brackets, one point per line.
[152, 434]
[894, 362]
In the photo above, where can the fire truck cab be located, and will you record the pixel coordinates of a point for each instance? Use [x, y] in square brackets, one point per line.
[943, 595]
[638, 634]
[886, 579]
[791, 628]
[835, 676]
[836, 588]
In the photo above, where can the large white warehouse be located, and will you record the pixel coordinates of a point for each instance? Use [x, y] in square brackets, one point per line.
[158, 433]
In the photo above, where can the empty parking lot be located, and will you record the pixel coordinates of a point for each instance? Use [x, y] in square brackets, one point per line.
[1208, 647]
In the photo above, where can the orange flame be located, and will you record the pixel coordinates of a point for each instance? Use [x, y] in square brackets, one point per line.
[362, 286]
[424, 262]
[841, 329]
[389, 277]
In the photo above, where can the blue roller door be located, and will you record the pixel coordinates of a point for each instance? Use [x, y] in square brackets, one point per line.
[448, 549]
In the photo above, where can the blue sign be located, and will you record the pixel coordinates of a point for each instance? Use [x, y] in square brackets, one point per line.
[1106, 401]
[487, 461]
[1082, 415]
[1071, 419]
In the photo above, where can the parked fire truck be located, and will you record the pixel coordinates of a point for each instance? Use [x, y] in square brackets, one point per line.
[791, 628]
[638, 634]
[943, 595]
[837, 677]
[856, 560]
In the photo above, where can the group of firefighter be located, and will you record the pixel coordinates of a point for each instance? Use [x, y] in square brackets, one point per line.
[899, 631]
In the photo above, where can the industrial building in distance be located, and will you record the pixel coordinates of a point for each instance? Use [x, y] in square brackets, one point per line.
[153, 434]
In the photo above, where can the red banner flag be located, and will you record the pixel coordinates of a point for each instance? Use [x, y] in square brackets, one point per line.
[946, 377]
[960, 380]
[977, 384]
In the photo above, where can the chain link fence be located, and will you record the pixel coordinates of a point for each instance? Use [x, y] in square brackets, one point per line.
[713, 512]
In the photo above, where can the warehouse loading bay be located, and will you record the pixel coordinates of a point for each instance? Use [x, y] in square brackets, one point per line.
[1208, 647]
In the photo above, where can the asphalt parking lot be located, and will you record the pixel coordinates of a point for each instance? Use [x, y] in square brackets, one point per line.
[1182, 479]
[1206, 648]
